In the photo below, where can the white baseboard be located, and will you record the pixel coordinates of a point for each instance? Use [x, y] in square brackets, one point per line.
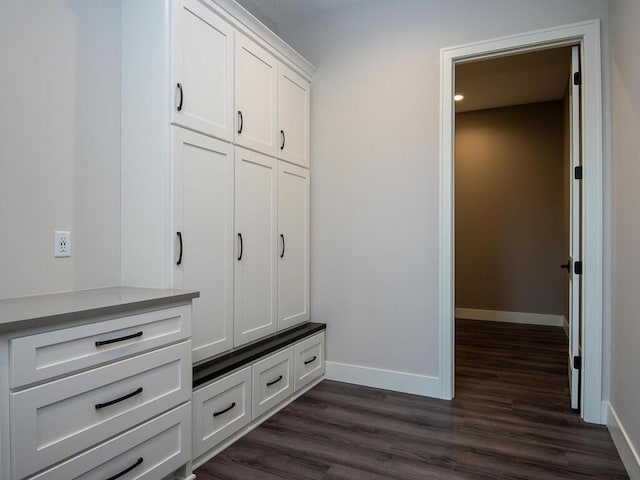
[386, 379]
[626, 449]
[511, 317]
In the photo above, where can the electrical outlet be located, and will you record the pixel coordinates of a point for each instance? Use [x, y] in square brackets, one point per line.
[62, 244]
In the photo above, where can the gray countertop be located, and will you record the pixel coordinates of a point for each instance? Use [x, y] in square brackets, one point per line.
[39, 310]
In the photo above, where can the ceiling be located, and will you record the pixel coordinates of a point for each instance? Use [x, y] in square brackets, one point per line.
[284, 11]
[514, 80]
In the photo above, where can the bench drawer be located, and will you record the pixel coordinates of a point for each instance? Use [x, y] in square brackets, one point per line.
[308, 360]
[272, 381]
[39, 357]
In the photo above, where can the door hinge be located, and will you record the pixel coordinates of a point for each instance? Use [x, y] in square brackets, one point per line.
[577, 362]
[577, 268]
[577, 173]
[577, 78]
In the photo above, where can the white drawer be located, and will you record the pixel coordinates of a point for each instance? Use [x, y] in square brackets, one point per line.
[47, 355]
[272, 381]
[162, 444]
[221, 409]
[308, 360]
[59, 419]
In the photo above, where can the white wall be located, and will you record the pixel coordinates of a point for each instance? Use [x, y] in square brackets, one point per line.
[374, 155]
[59, 144]
[625, 79]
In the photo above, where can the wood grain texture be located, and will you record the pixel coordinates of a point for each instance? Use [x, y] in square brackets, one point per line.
[510, 420]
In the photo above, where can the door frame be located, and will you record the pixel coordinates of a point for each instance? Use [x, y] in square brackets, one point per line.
[587, 35]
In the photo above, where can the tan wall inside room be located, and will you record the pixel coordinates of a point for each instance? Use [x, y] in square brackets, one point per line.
[509, 209]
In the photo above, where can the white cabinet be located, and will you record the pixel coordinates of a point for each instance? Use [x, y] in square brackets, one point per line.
[256, 96]
[202, 70]
[308, 360]
[256, 245]
[293, 256]
[272, 381]
[294, 100]
[203, 222]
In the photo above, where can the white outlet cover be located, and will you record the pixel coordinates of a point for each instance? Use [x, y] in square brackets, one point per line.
[61, 244]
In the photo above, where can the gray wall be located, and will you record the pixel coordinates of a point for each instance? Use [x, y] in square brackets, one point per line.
[509, 209]
[625, 72]
[375, 141]
[60, 144]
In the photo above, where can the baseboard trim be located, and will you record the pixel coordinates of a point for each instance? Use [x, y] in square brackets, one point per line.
[546, 319]
[386, 379]
[628, 453]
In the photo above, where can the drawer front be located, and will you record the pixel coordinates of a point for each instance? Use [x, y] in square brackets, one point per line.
[221, 409]
[47, 355]
[59, 419]
[272, 381]
[308, 360]
[162, 444]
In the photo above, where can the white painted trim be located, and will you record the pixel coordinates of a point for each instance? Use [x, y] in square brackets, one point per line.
[254, 424]
[385, 379]
[626, 449]
[587, 35]
[605, 412]
[546, 319]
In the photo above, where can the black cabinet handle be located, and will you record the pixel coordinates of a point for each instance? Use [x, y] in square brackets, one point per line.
[117, 400]
[179, 262]
[127, 470]
[275, 381]
[225, 410]
[283, 246]
[179, 107]
[567, 266]
[284, 138]
[119, 339]
[241, 121]
[311, 360]
[241, 246]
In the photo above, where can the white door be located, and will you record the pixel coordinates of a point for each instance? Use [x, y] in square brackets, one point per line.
[574, 236]
[202, 85]
[256, 246]
[293, 256]
[203, 230]
[293, 117]
[256, 96]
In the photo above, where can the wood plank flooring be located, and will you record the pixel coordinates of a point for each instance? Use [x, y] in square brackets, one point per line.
[511, 419]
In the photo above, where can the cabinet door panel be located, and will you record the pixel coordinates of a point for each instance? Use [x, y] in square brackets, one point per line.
[203, 69]
[293, 228]
[203, 214]
[293, 117]
[256, 94]
[255, 272]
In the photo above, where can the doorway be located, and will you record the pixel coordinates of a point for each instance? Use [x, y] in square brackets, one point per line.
[586, 35]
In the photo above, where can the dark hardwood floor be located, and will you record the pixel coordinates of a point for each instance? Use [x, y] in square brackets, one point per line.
[511, 419]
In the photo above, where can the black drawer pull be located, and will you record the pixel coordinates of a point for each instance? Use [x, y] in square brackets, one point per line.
[283, 246]
[127, 470]
[129, 395]
[275, 381]
[119, 339]
[179, 107]
[241, 122]
[225, 410]
[179, 234]
[311, 360]
[241, 247]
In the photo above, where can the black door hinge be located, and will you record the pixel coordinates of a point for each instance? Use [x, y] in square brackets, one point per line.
[577, 268]
[577, 172]
[577, 362]
[577, 78]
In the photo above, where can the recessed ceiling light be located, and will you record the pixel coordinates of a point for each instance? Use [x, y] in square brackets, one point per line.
[458, 97]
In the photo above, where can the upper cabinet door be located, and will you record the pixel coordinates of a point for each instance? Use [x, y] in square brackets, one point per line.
[256, 245]
[293, 256]
[203, 234]
[202, 86]
[294, 99]
[256, 97]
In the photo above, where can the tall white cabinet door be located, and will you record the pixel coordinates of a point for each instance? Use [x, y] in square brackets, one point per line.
[256, 245]
[293, 256]
[203, 232]
[256, 96]
[202, 70]
[294, 100]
